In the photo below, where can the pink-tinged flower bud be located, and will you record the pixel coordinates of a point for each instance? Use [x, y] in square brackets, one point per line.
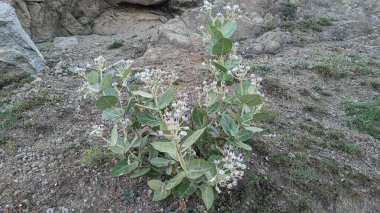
[223, 84]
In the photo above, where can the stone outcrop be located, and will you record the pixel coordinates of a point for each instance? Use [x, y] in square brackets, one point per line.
[45, 19]
[19, 57]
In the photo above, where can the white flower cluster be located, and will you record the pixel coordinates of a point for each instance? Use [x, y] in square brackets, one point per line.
[232, 11]
[207, 6]
[97, 130]
[99, 62]
[210, 87]
[256, 80]
[152, 77]
[229, 169]
[240, 71]
[175, 118]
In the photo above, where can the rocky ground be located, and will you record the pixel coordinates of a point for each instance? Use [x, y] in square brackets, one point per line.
[319, 153]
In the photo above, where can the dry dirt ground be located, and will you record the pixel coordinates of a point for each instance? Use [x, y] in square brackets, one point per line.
[310, 158]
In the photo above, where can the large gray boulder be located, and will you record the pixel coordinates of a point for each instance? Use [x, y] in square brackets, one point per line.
[19, 57]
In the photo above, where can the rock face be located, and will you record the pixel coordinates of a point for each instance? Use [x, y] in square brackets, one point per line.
[19, 56]
[45, 19]
[142, 2]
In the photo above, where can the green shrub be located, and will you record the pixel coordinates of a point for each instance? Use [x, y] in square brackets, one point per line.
[186, 148]
[116, 44]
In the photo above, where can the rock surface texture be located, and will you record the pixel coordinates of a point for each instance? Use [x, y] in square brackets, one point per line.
[44, 20]
[19, 56]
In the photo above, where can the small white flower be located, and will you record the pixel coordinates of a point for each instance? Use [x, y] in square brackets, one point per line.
[183, 133]
[229, 186]
[221, 172]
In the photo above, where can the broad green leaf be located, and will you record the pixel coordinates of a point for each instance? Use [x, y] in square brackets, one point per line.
[164, 99]
[215, 33]
[215, 108]
[94, 88]
[107, 81]
[184, 189]
[229, 28]
[160, 195]
[243, 135]
[112, 114]
[105, 102]
[156, 185]
[218, 21]
[140, 172]
[247, 117]
[210, 99]
[121, 146]
[143, 94]
[251, 100]
[127, 72]
[235, 116]
[123, 167]
[243, 146]
[199, 116]
[242, 89]
[166, 147]
[207, 195]
[219, 67]
[154, 174]
[175, 180]
[159, 162]
[148, 119]
[222, 47]
[189, 141]
[253, 129]
[196, 168]
[114, 135]
[229, 79]
[228, 124]
[135, 142]
[93, 78]
[260, 116]
[231, 63]
[110, 92]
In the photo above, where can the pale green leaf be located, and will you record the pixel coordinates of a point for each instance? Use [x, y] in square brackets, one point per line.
[198, 116]
[189, 141]
[105, 102]
[196, 168]
[228, 124]
[253, 129]
[222, 47]
[93, 78]
[164, 99]
[112, 114]
[143, 94]
[159, 162]
[156, 185]
[243, 135]
[175, 180]
[207, 195]
[160, 195]
[140, 172]
[123, 167]
[229, 28]
[148, 119]
[251, 100]
[166, 147]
